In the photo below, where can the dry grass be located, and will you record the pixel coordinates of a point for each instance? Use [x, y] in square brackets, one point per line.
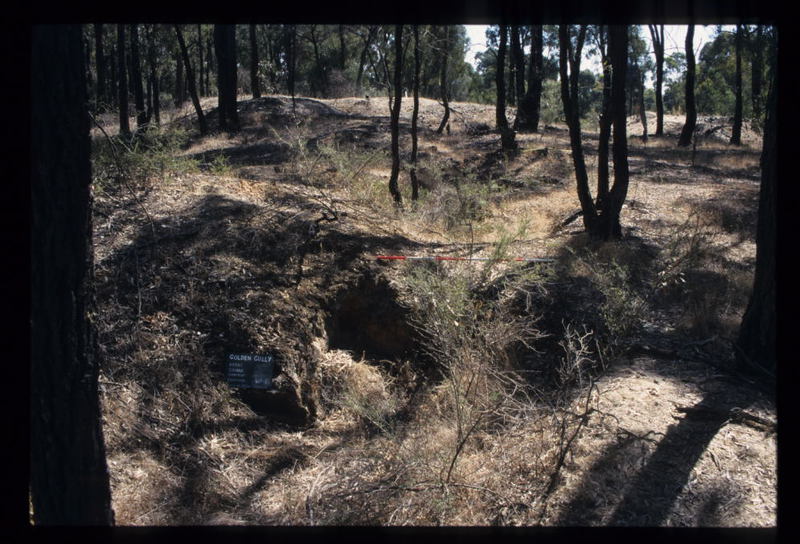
[238, 266]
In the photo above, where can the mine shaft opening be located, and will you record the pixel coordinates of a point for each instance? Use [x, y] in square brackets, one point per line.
[366, 319]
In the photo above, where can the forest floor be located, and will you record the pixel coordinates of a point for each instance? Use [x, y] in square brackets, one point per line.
[269, 232]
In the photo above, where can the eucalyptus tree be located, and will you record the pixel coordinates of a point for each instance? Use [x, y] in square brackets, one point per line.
[657, 37]
[736, 131]
[395, 114]
[122, 83]
[601, 217]
[507, 136]
[225, 49]
[201, 119]
[691, 109]
[69, 480]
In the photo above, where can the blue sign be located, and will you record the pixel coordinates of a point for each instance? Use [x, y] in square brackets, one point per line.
[250, 371]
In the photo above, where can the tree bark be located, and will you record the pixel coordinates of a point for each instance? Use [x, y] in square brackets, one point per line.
[618, 52]
[414, 119]
[69, 477]
[736, 131]
[528, 111]
[507, 137]
[136, 74]
[395, 117]
[605, 123]
[756, 68]
[443, 80]
[153, 62]
[292, 54]
[642, 109]
[755, 345]
[518, 58]
[225, 49]
[691, 110]
[657, 36]
[569, 96]
[122, 84]
[256, 88]
[202, 91]
[101, 97]
[201, 119]
[180, 93]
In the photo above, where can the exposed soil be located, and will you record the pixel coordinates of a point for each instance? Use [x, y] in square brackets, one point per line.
[276, 252]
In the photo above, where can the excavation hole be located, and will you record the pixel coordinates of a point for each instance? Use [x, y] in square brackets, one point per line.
[366, 319]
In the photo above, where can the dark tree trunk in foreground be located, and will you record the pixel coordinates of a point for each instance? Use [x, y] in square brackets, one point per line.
[69, 477]
[122, 84]
[395, 119]
[254, 63]
[414, 119]
[518, 58]
[201, 119]
[507, 136]
[443, 80]
[736, 131]
[755, 346]
[691, 110]
[528, 111]
[136, 74]
[225, 49]
[657, 36]
[100, 61]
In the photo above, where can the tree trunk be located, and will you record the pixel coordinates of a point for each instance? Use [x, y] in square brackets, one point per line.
[736, 131]
[292, 55]
[225, 49]
[202, 91]
[657, 35]
[756, 68]
[528, 111]
[414, 119]
[122, 84]
[507, 137]
[201, 119]
[395, 118]
[209, 63]
[755, 345]
[618, 52]
[569, 96]
[153, 62]
[363, 59]
[180, 93]
[136, 74]
[101, 97]
[69, 477]
[342, 50]
[443, 81]
[691, 110]
[519, 70]
[605, 124]
[642, 109]
[254, 63]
